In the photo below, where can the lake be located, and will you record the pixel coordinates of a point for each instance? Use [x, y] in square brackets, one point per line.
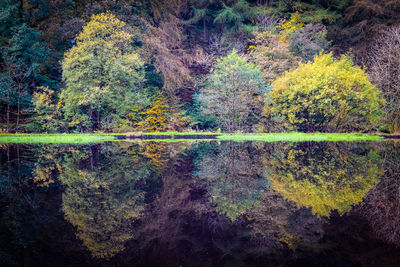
[200, 203]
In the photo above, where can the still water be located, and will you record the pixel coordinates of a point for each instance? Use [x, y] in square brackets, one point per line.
[200, 204]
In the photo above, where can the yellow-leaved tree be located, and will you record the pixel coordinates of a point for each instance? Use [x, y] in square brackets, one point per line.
[325, 95]
[158, 116]
[103, 76]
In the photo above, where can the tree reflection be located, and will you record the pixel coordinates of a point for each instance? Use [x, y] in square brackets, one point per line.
[233, 172]
[382, 204]
[25, 212]
[104, 196]
[323, 176]
[276, 223]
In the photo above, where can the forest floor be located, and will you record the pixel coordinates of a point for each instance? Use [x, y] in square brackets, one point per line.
[184, 136]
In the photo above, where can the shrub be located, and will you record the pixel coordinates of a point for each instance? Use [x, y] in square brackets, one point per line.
[327, 95]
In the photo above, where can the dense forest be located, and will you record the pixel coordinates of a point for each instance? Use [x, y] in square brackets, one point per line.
[217, 65]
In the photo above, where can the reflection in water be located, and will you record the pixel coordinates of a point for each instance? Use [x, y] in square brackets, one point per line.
[105, 193]
[103, 199]
[276, 223]
[382, 204]
[234, 174]
[323, 176]
[197, 204]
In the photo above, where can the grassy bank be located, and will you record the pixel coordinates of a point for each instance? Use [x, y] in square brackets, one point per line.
[182, 136]
[300, 137]
[54, 138]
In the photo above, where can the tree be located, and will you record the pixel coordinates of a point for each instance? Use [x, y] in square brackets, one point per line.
[317, 11]
[363, 21]
[308, 41]
[201, 11]
[270, 53]
[326, 95]
[48, 114]
[384, 71]
[103, 76]
[158, 116]
[21, 55]
[235, 16]
[230, 92]
[163, 44]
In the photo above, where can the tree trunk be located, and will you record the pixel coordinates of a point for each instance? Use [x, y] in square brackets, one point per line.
[91, 157]
[204, 30]
[91, 116]
[18, 109]
[8, 116]
[98, 120]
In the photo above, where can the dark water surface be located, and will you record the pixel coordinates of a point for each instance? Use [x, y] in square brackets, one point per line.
[200, 204]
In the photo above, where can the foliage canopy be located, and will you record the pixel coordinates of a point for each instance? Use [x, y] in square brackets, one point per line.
[230, 92]
[103, 76]
[326, 95]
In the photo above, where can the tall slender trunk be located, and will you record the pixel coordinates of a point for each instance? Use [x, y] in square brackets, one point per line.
[91, 157]
[21, 8]
[18, 110]
[91, 116]
[204, 30]
[19, 165]
[8, 164]
[8, 116]
[98, 120]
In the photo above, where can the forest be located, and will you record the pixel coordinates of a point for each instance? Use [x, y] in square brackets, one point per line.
[254, 66]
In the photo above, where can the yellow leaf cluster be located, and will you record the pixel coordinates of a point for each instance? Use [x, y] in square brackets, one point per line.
[326, 95]
[290, 26]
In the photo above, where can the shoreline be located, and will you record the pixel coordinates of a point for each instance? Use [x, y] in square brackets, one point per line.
[200, 136]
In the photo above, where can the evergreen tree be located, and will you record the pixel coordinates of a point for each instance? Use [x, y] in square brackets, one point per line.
[22, 53]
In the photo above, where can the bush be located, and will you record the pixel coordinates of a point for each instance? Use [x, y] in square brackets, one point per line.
[327, 95]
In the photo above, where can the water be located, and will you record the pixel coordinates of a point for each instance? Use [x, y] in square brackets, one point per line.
[200, 204]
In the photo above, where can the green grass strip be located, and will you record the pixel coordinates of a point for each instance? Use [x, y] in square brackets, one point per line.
[299, 137]
[179, 137]
[54, 138]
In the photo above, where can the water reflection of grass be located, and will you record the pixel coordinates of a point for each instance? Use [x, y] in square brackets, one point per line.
[180, 136]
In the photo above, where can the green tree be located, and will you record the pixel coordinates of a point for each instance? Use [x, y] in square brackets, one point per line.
[326, 95]
[235, 15]
[312, 11]
[230, 92]
[103, 76]
[22, 53]
[201, 11]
